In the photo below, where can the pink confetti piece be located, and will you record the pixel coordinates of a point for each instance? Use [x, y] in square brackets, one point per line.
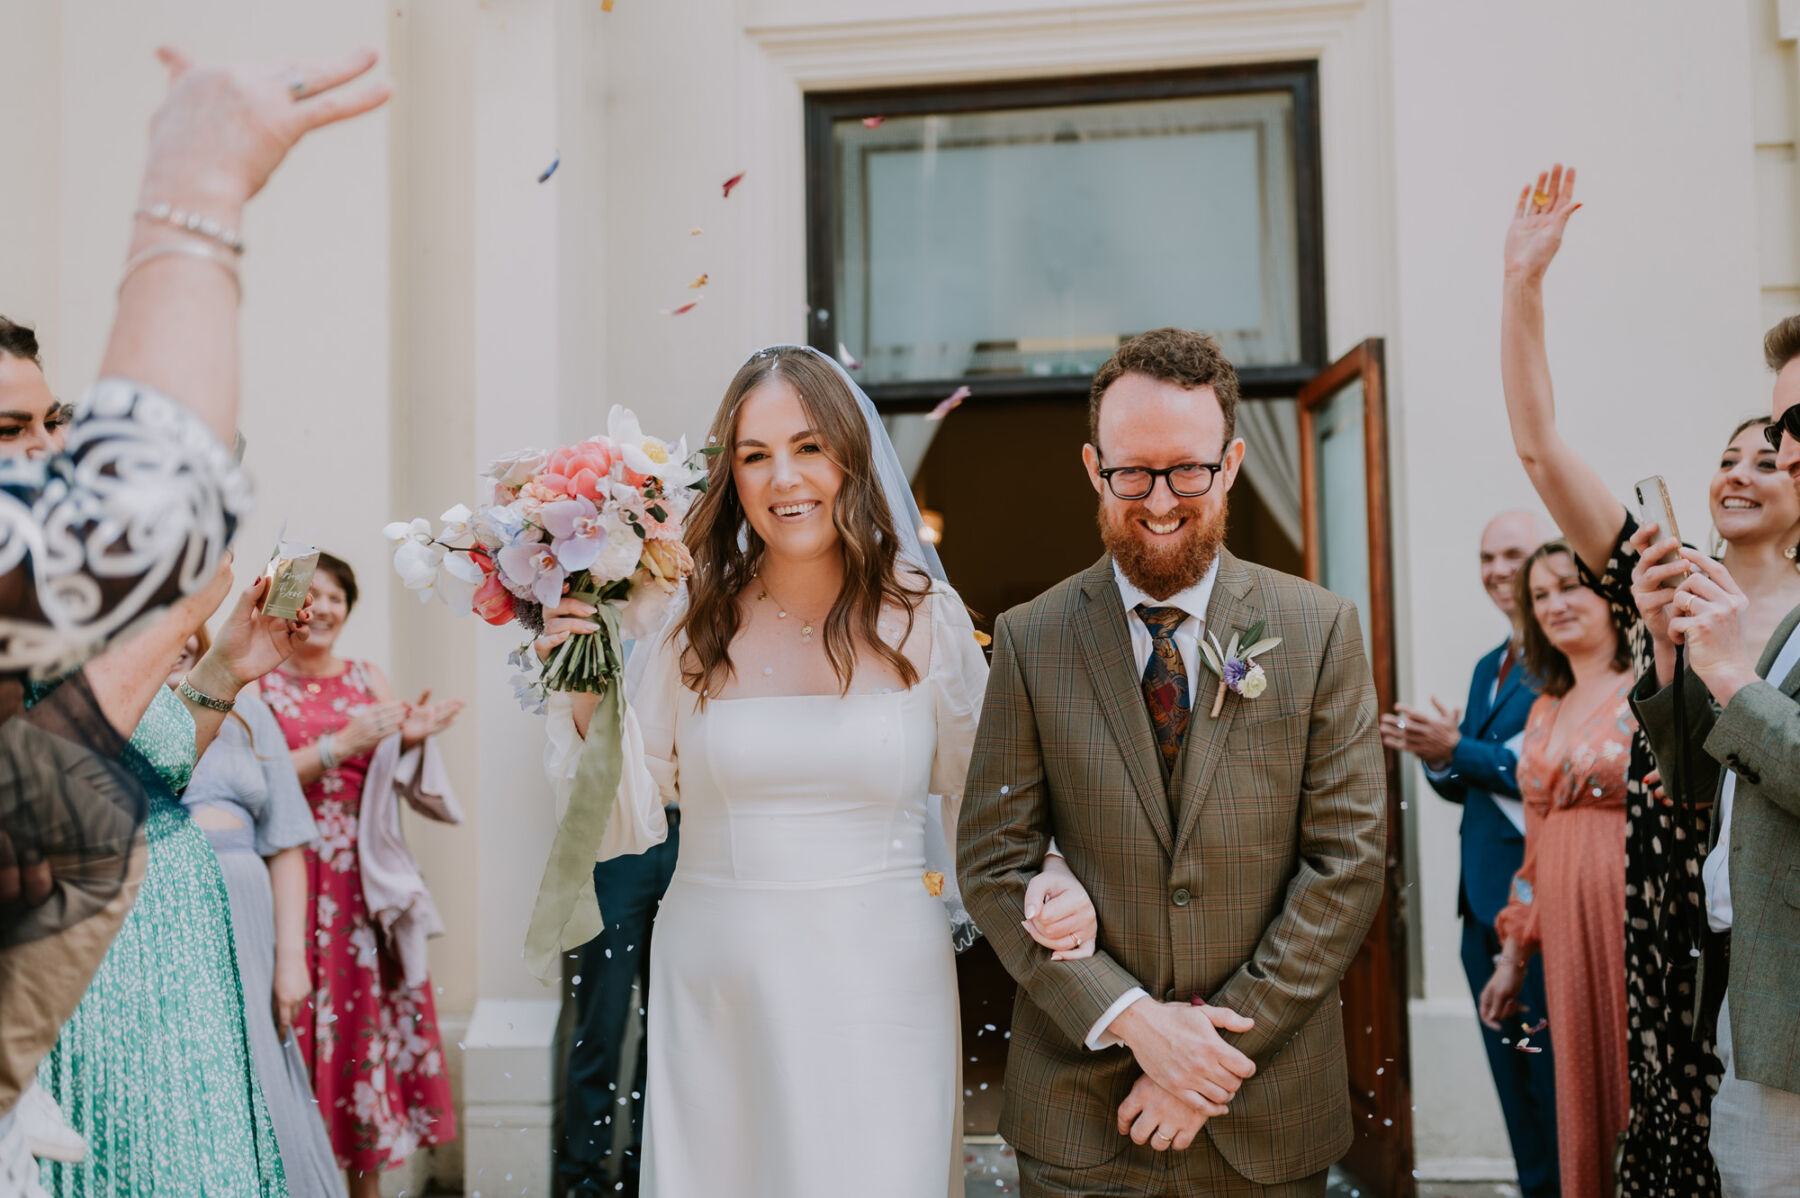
[850, 362]
[733, 182]
[873, 122]
[685, 308]
[1532, 1030]
[950, 403]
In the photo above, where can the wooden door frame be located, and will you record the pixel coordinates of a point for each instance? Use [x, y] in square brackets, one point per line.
[1385, 1159]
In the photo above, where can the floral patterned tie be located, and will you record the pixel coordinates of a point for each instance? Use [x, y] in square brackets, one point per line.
[1165, 683]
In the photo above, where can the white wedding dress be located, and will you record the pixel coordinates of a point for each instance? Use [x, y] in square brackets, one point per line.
[803, 1025]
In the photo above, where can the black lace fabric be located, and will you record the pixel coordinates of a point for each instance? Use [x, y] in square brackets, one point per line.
[138, 512]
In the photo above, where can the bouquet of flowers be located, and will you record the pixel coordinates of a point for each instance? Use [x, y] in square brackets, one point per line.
[599, 521]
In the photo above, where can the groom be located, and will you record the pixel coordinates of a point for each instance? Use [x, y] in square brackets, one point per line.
[1234, 852]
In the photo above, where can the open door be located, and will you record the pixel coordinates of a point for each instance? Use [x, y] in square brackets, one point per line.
[1344, 500]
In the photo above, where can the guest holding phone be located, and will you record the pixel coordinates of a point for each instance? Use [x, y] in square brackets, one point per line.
[1673, 1070]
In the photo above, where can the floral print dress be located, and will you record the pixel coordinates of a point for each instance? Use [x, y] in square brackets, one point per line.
[370, 1041]
[1673, 1071]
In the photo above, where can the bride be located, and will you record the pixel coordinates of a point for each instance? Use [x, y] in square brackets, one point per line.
[808, 705]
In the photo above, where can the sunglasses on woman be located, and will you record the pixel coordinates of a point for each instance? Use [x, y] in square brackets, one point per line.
[1789, 422]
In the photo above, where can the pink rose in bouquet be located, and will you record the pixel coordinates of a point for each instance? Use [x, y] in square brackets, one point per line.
[598, 520]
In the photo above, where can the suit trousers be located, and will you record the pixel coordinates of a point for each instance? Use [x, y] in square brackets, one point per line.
[629, 889]
[1525, 1081]
[42, 982]
[1755, 1137]
[1142, 1172]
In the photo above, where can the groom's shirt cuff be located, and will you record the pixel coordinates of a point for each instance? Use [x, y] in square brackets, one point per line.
[1098, 1037]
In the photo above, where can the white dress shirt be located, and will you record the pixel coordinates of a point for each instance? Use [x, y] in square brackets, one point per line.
[1193, 601]
[1715, 874]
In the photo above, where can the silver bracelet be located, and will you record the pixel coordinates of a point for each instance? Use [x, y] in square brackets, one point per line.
[193, 222]
[185, 249]
[327, 747]
[202, 699]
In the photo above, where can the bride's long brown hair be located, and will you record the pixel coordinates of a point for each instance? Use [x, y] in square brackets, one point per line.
[728, 552]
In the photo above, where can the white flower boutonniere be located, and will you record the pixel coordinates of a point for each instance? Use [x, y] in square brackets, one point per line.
[1235, 664]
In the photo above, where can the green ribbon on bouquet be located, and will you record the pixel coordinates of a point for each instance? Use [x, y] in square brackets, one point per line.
[567, 912]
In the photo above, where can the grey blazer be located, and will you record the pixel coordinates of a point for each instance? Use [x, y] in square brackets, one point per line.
[1757, 736]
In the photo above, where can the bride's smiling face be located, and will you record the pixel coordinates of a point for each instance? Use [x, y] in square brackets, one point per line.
[785, 479]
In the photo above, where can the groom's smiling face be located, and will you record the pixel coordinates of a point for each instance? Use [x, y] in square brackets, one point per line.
[1163, 542]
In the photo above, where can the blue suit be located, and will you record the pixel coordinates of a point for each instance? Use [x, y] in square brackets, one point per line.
[1493, 848]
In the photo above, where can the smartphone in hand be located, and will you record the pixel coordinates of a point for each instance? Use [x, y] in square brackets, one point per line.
[1653, 503]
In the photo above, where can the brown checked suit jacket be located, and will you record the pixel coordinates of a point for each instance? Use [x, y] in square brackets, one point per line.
[1256, 896]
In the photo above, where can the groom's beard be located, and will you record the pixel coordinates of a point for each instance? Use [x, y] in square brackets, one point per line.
[1171, 564]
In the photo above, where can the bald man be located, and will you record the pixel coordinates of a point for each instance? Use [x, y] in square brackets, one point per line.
[1470, 759]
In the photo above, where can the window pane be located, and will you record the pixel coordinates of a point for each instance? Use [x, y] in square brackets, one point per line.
[1030, 241]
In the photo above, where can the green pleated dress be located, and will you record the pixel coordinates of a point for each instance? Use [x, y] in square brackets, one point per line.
[154, 1068]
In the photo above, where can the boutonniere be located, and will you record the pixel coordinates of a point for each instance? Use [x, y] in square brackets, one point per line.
[1235, 664]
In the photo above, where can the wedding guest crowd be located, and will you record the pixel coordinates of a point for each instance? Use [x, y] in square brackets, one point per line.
[212, 965]
[1666, 714]
[157, 909]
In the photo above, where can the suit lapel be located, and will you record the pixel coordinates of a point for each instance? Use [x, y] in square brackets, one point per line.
[1106, 648]
[1230, 610]
[1502, 694]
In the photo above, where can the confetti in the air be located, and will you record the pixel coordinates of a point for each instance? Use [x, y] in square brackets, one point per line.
[952, 402]
[934, 883]
[698, 283]
[873, 122]
[695, 231]
[606, 5]
[850, 361]
[733, 182]
[551, 169]
[685, 308]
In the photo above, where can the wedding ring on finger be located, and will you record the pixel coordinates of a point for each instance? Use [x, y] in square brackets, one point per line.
[1400, 723]
[296, 85]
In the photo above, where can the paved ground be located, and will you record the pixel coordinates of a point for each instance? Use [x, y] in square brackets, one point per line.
[991, 1170]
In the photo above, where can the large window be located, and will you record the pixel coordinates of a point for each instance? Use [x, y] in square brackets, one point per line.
[1010, 236]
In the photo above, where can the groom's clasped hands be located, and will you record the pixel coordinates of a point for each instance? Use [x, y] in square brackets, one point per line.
[1190, 1073]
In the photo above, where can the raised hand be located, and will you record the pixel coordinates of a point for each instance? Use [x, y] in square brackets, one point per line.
[1059, 914]
[1538, 222]
[1499, 999]
[221, 131]
[251, 644]
[1151, 1115]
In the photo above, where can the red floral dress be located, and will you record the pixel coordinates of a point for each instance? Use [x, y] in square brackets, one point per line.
[371, 1044]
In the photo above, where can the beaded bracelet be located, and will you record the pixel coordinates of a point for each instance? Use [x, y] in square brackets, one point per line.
[193, 222]
[327, 747]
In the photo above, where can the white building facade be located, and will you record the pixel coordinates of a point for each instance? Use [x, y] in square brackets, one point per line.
[417, 302]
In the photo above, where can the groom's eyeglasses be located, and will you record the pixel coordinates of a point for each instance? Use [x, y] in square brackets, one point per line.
[1190, 480]
[1789, 422]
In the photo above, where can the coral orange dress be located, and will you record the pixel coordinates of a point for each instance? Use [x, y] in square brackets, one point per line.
[1568, 901]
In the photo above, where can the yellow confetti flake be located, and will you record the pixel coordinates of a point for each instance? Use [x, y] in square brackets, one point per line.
[934, 883]
[695, 231]
[983, 639]
[606, 5]
[699, 282]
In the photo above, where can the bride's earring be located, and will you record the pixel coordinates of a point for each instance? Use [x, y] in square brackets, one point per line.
[1792, 553]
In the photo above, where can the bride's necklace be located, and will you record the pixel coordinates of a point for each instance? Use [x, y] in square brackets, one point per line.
[806, 626]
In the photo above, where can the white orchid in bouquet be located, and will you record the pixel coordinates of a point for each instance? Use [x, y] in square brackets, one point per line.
[599, 521]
